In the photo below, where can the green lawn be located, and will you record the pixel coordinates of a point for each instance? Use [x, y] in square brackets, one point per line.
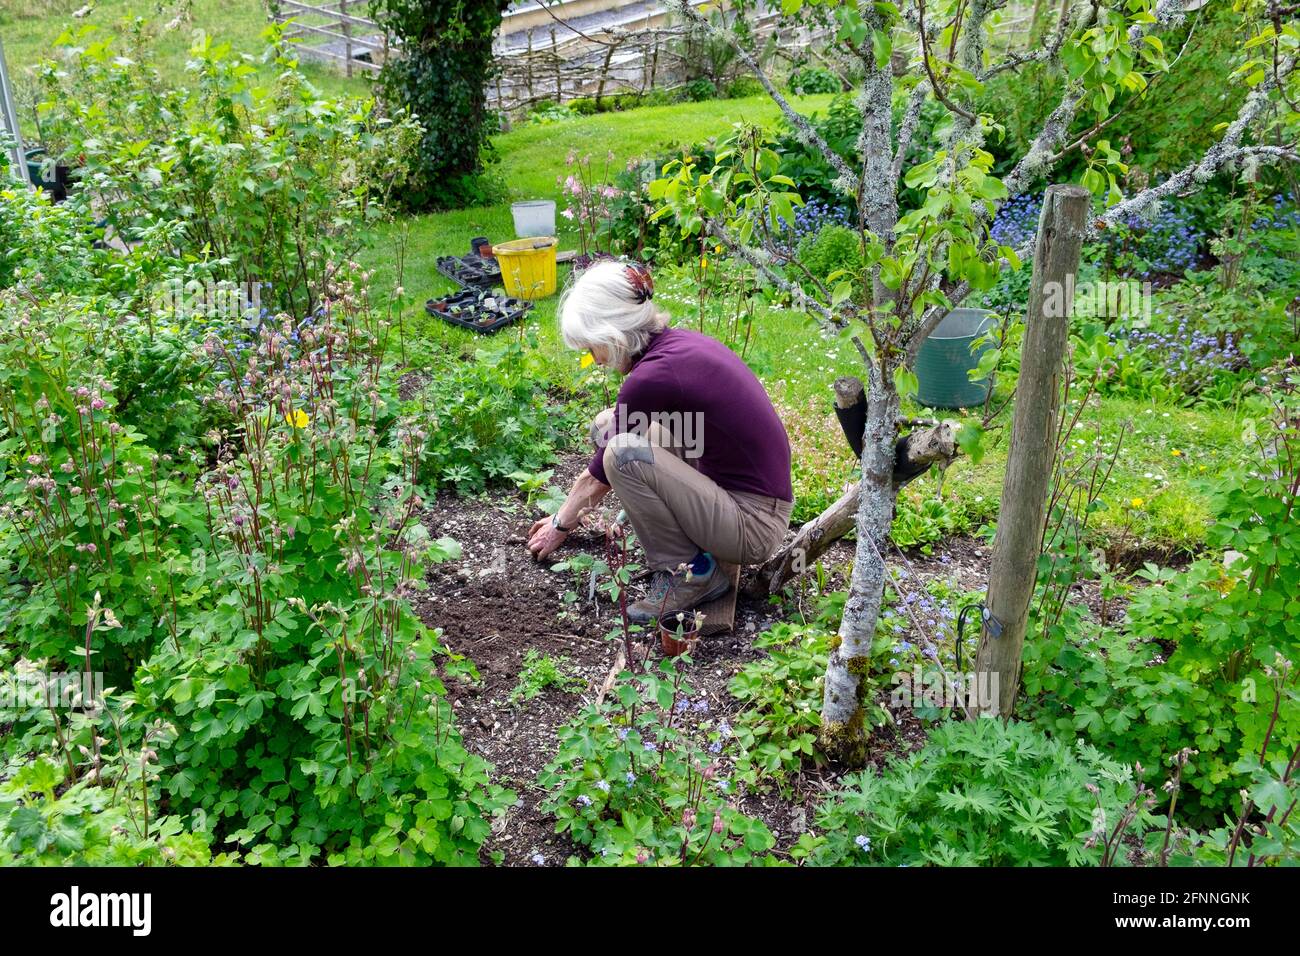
[532, 157]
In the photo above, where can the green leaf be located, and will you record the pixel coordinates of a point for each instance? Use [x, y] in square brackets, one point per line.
[905, 381]
[881, 48]
[970, 439]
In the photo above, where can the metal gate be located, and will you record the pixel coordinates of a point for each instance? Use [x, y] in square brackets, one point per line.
[9, 131]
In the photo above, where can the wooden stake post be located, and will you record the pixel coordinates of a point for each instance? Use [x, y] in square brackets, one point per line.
[1013, 570]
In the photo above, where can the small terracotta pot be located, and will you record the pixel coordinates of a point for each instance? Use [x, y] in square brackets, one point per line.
[675, 646]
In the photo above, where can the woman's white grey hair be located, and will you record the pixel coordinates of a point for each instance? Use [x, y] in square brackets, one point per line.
[601, 309]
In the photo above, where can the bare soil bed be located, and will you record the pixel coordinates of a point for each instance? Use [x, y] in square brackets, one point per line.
[496, 603]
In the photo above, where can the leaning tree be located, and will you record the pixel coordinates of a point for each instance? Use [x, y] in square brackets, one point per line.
[922, 258]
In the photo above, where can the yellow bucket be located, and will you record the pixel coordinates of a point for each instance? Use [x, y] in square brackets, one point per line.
[527, 266]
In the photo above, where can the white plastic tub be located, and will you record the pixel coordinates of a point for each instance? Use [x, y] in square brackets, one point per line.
[536, 217]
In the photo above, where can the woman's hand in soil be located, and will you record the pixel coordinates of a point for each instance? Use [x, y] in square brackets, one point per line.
[544, 537]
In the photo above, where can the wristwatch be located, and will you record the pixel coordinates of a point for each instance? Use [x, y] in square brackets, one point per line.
[555, 523]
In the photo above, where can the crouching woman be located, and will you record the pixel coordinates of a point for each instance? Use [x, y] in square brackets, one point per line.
[693, 448]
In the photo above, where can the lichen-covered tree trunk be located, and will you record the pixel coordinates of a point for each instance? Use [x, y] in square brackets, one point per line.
[843, 732]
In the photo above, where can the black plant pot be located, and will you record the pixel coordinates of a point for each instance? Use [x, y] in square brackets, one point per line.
[59, 186]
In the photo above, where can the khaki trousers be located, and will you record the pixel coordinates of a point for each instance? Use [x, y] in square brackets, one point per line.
[678, 512]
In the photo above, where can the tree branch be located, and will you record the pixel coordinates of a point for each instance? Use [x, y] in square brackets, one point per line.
[804, 130]
[1226, 150]
[878, 188]
[935, 85]
[907, 129]
[759, 260]
[1046, 146]
[1048, 54]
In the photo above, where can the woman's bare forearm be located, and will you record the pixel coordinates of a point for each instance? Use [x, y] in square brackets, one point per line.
[587, 492]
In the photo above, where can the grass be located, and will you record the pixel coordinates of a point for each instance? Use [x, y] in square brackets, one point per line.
[531, 157]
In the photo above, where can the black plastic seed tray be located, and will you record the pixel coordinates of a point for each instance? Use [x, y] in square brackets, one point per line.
[478, 310]
[471, 271]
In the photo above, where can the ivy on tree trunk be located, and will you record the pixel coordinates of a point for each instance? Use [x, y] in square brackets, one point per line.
[439, 71]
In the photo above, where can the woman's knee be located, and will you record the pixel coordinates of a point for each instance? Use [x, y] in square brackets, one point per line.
[624, 451]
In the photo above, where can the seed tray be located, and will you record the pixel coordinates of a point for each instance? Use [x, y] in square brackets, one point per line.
[473, 311]
[471, 271]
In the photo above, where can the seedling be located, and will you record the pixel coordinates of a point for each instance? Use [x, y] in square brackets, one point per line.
[541, 671]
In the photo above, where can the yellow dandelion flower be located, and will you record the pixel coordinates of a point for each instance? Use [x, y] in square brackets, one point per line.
[297, 418]
[1176, 453]
[1136, 503]
[586, 360]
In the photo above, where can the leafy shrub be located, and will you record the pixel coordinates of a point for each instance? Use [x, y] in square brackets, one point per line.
[589, 105]
[1266, 830]
[701, 90]
[270, 183]
[813, 79]
[1189, 666]
[631, 230]
[979, 793]
[45, 245]
[84, 825]
[743, 86]
[661, 97]
[637, 781]
[833, 249]
[284, 697]
[490, 416]
[86, 500]
[781, 694]
[544, 113]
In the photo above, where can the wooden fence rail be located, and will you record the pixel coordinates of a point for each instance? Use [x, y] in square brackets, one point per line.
[350, 41]
[567, 64]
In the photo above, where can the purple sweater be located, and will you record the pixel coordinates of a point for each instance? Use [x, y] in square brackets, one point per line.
[720, 411]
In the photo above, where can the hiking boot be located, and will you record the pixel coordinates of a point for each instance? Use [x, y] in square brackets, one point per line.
[682, 594]
[645, 610]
